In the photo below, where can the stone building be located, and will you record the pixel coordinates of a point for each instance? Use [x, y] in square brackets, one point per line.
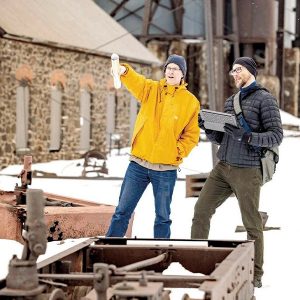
[56, 94]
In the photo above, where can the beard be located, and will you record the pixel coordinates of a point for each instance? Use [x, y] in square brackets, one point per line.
[242, 82]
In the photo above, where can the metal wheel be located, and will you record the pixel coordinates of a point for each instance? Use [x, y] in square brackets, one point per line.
[57, 294]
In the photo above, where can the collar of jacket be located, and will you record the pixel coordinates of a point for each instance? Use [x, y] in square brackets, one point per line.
[171, 89]
[254, 88]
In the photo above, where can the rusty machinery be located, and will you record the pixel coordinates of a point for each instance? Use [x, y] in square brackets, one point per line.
[133, 269]
[66, 217]
[119, 268]
[22, 279]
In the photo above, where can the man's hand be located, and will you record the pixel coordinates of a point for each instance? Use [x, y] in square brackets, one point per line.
[121, 71]
[237, 133]
[201, 125]
[201, 122]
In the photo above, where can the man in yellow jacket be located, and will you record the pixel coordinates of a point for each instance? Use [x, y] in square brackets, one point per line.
[166, 130]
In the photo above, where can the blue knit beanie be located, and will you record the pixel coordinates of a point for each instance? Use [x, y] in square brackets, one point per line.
[177, 60]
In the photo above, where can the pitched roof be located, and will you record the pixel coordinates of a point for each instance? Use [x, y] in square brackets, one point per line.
[76, 23]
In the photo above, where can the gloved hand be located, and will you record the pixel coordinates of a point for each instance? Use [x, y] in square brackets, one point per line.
[201, 122]
[237, 133]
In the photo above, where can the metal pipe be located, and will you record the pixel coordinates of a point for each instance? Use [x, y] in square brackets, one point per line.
[142, 263]
[210, 67]
[35, 234]
[280, 51]
[167, 280]
[235, 28]
[220, 55]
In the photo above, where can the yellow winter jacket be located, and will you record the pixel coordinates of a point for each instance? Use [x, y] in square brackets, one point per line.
[166, 128]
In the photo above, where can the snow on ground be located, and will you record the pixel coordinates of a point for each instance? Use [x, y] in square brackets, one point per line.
[279, 198]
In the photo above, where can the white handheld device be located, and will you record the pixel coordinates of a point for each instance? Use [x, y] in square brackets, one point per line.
[115, 70]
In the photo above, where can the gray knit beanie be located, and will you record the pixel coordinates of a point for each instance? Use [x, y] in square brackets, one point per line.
[179, 61]
[248, 63]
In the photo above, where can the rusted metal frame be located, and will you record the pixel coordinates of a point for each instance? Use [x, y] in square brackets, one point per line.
[149, 11]
[210, 66]
[142, 264]
[26, 178]
[92, 218]
[65, 253]
[117, 8]
[280, 50]
[147, 17]
[133, 12]
[207, 258]
[235, 28]
[178, 10]
[170, 242]
[72, 200]
[139, 17]
[184, 281]
[22, 277]
[234, 275]
[230, 278]
[220, 55]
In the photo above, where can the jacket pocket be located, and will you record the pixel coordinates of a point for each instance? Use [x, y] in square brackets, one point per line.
[139, 124]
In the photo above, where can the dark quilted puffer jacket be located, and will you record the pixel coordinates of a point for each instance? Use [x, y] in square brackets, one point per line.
[261, 112]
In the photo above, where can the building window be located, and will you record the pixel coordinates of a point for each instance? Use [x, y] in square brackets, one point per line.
[85, 120]
[24, 75]
[55, 120]
[22, 113]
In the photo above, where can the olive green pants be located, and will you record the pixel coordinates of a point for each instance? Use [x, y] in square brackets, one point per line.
[245, 183]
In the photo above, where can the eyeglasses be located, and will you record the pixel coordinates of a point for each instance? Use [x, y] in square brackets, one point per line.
[172, 69]
[236, 71]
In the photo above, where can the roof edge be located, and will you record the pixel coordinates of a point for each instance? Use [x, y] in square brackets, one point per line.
[5, 35]
[2, 32]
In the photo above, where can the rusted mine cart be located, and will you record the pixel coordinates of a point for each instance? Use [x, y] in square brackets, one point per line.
[65, 217]
[118, 268]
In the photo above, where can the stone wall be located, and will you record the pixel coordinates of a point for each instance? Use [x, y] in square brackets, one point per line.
[73, 70]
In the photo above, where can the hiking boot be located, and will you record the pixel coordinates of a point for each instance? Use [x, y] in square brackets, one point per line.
[257, 282]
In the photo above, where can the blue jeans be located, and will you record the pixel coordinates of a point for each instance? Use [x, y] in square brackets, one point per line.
[135, 182]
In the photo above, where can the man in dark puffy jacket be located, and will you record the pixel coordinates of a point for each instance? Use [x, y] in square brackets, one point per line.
[239, 169]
